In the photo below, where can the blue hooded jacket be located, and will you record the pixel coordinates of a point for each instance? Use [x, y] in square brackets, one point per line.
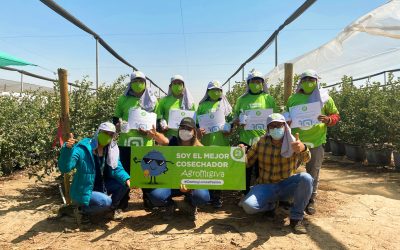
[81, 158]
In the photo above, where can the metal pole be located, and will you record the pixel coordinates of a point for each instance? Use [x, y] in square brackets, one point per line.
[229, 86]
[22, 83]
[243, 74]
[97, 64]
[276, 50]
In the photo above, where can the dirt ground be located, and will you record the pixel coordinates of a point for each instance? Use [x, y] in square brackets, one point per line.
[358, 208]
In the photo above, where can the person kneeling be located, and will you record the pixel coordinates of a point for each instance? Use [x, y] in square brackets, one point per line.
[162, 197]
[99, 173]
[278, 153]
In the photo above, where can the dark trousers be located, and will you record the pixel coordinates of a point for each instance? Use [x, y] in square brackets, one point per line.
[125, 158]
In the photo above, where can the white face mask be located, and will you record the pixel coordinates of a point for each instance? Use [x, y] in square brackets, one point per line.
[185, 135]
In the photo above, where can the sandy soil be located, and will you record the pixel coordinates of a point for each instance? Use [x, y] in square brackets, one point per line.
[358, 208]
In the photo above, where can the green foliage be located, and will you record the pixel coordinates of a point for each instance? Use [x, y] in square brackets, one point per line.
[89, 108]
[369, 114]
[28, 124]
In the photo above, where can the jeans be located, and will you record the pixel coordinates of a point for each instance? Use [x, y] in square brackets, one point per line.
[163, 196]
[101, 203]
[263, 197]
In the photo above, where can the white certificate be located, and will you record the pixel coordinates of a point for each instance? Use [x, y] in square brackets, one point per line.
[139, 118]
[212, 122]
[305, 115]
[176, 116]
[257, 119]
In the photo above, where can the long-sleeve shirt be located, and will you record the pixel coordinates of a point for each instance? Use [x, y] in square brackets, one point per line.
[272, 166]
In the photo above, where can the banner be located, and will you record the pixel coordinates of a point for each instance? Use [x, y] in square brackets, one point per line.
[213, 167]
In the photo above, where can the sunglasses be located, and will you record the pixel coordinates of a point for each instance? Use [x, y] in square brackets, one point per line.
[159, 162]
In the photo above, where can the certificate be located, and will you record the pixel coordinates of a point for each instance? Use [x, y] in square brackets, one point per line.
[139, 118]
[212, 122]
[176, 116]
[257, 119]
[305, 115]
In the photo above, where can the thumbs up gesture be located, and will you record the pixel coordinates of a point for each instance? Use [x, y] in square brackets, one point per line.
[71, 141]
[297, 145]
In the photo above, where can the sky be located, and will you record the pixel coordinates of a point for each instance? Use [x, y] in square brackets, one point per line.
[202, 40]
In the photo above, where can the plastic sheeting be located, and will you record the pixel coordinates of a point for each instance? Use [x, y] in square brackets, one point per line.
[366, 46]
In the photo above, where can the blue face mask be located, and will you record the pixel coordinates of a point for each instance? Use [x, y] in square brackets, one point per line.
[277, 133]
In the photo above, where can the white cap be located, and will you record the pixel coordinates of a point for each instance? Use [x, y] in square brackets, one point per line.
[255, 74]
[177, 77]
[214, 85]
[137, 74]
[310, 73]
[275, 117]
[107, 126]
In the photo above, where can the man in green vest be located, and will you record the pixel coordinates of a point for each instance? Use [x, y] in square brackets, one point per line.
[314, 136]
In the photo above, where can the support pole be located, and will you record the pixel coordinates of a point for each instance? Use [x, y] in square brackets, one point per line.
[276, 50]
[288, 81]
[65, 123]
[22, 84]
[97, 64]
[243, 74]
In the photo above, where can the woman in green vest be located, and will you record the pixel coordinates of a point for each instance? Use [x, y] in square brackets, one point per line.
[215, 101]
[137, 95]
[178, 97]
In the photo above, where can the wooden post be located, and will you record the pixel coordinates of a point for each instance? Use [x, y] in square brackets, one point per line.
[65, 123]
[288, 81]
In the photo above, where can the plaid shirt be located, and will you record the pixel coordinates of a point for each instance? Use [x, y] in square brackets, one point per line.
[272, 166]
